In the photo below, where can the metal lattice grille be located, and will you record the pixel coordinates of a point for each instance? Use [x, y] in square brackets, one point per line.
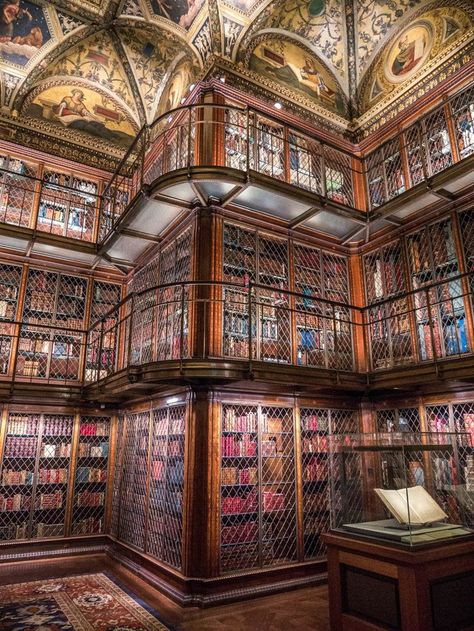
[305, 162]
[437, 142]
[10, 279]
[165, 522]
[338, 176]
[134, 475]
[375, 179]
[398, 420]
[416, 154]
[17, 191]
[53, 471]
[384, 272]
[267, 155]
[466, 225]
[463, 115]
[236, 139]
[258, 501]
[393, 166]
[464, 418]
[315, 427]
[18, 475]
[438, 418]
[67, 206]
[240, 479]
[239, 266]
[90, 485]
[345, 481]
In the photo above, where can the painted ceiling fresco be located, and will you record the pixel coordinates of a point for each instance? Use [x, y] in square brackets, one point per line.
[95, 71]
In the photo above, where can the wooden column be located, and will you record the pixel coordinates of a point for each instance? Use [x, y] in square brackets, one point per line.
[360, 338]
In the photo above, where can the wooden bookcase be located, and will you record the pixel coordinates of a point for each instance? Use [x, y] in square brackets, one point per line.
[68, 205]
[148, 507]
[18, 188]
[10, 283]
[45, 471]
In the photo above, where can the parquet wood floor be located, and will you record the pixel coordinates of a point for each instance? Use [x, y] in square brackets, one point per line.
[299, 610]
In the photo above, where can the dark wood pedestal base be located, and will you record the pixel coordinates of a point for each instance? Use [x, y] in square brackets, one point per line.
[378, 586]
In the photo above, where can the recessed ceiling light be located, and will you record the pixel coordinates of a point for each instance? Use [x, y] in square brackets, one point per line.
[170, 119]
[183, 100]
[278, 105]
[192, 86]
[222, 79]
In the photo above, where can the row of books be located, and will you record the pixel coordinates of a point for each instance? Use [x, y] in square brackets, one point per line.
[70, 181]
[315, 471]
[57, 426]
[273, 501]
[316, 502]
[314, 525]
[235, 475]
[234, 422]
[53, 476]
[11, 477]
[90, 474]
[90, 499]
[233, 446]
[53, 450]
[316, 444]
[20, 447]
[88, 526]
[89, 450]
[13, 531]
[238, 504]
[239, 533]
[51, 501]
[16, 502]
[314, 422]
[18, 424]
[99, 428]
[161, 471]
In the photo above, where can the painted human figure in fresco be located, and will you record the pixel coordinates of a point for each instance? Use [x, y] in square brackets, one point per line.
[409, 54]
[181, 12]
[15, 25]
[73, 105]
[313, 78]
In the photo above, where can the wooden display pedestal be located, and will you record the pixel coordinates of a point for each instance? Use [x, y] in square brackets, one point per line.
[380, 586]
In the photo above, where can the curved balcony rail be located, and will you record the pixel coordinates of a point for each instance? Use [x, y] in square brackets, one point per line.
[233, 137]
[440, 138]
[245, 323]
[54, 203]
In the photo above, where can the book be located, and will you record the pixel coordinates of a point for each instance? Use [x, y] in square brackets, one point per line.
[411, 505]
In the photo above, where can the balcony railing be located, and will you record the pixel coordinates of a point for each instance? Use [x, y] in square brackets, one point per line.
[245, 323]
[443, 136]
[47, 205]
[233, 137]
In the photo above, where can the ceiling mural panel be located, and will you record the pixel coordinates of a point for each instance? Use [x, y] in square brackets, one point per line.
[181, 12]
[114, 65]
[76, 107]
[319, 22]
[25, 31]
[152, 56]
[418, 48]
[296, 68]
[96, 60]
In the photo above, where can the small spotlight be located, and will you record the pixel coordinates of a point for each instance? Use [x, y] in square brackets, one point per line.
[183, 100]
[192, 86]
[222, 79]
[278, 105]
[170, 119]
[172, 400]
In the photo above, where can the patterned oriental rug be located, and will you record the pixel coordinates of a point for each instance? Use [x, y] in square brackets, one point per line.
[90, 602]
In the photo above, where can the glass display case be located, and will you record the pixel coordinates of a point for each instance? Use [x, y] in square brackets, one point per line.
[407, 488]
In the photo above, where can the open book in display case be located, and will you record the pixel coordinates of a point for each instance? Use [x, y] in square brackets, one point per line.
[407, 488]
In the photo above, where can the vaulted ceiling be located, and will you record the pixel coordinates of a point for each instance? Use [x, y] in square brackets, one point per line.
[95, 71]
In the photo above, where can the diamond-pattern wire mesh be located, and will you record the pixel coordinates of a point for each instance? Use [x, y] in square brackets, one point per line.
[398, 420]
[134, 474]
[345, 481]
[375, 179]
[17, 191]
[240, 480]
[338, 175]
[393, 169]
[18, 475]
[90, 484]
[258, 510]
[165, 522]
[437, 142]
[268, 150]
[462, 108]
[52, 485]
[236, 139]
[416, 154]
[315, 429]
[67, 206]
[10, 279]
[239, 267]
[305, 163]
